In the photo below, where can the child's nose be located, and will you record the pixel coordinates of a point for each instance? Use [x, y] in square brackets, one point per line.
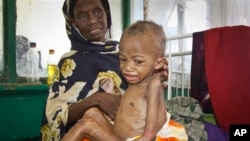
[128, 66]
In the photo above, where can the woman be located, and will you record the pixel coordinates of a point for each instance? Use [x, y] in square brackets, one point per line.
[92, 59]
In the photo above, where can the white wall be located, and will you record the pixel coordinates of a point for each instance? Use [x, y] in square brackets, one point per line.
[42, 21]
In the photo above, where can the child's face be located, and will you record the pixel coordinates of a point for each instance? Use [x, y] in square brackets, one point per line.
[137, 58]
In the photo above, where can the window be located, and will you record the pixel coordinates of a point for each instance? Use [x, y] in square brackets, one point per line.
[177, 18]
[37, 23]
[181, 18]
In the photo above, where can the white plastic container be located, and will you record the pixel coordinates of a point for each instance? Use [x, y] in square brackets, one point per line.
[32, 56]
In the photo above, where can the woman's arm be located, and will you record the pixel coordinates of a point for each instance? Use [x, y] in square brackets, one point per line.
[107, 103]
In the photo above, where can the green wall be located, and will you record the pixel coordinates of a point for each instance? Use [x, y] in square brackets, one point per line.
[21, 112]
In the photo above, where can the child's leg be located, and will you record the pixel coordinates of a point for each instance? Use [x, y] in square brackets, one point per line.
[93, 126]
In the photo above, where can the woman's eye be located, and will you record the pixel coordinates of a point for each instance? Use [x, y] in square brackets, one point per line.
[83, 16]
[98, 13]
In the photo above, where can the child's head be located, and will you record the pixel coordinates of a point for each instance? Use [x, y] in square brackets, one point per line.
[141, 45]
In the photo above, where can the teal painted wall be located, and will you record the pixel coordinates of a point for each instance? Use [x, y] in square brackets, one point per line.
[176, 92]
[21, 112]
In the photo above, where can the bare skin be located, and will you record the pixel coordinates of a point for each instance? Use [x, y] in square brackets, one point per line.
[142, 108]
[92, 119]
[108, 85]
[90, 19]
[133, 109]
[95, 28]
[107, 103]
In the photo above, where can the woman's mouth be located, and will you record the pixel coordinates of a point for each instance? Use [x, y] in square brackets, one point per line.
[95, 31]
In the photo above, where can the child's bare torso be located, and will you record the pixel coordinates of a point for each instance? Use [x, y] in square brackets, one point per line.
[131, 116]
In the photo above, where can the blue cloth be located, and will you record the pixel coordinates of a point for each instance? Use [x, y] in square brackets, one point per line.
[215, 133]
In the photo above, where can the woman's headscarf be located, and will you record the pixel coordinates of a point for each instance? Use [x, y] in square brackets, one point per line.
[77, 40]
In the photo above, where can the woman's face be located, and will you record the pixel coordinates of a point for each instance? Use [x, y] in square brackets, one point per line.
[91, 19]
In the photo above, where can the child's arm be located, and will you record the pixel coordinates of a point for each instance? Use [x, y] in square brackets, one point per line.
[154, 97]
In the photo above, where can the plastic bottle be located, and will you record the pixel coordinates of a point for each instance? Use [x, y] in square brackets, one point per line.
[51, 66]
[32, 56]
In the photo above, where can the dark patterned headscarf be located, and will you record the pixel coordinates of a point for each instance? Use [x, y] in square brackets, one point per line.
[78, 42]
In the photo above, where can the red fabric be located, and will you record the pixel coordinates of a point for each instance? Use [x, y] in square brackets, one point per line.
[227, 65]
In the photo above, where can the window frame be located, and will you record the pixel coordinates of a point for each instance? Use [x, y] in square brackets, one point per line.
[9, 19]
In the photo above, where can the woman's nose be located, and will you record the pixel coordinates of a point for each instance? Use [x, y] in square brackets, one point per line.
[92, 18]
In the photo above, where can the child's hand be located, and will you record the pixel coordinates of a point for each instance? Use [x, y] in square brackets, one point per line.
[107, 85]
[162, 67]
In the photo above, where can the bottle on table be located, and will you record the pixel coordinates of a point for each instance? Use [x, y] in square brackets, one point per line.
[51, 66]
[32, 72]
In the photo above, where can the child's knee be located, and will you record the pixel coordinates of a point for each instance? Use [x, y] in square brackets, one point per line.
[86, 125]
[92, 112]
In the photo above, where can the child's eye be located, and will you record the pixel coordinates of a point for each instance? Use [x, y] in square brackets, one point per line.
[122, 59]
[138, 61]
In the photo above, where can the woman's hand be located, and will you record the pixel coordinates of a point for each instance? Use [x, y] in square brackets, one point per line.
[108, 103]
